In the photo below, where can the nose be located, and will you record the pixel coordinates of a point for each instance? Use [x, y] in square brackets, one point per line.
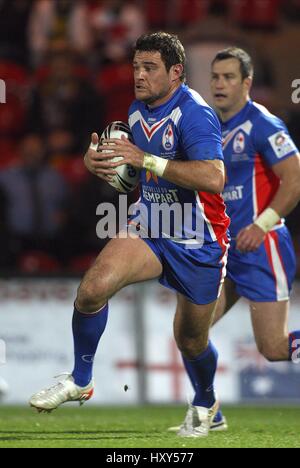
[219, 83]
[139, 75]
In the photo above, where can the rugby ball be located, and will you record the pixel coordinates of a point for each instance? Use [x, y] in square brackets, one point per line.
[127, 177]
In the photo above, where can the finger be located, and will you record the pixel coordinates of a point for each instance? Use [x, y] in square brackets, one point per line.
[242, 244]
[240, 234]
[240, 239]
[114, 141]
[122, 162]
[105, 177]
[103, 165]
[105, 172]
[101, 156]
[94, 141]
[112, 148]
[107, 165]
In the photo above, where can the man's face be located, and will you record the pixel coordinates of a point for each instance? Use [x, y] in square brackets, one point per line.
[151, 79]
[227, 86]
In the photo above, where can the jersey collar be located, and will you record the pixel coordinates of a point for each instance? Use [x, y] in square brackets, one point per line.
[235, 119]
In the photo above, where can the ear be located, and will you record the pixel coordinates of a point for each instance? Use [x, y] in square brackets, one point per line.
[248, 83]
[176, 71]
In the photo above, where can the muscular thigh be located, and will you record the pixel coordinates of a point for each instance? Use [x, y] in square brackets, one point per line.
[123, 261]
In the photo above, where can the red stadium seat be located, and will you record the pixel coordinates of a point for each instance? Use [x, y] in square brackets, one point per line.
[82, 263]
[72, 169]
[157, 12]
[43, 72]
[13, 73]
[116, 80]
[38, 262]
[255, 13]
[13, 113]
[191, 11]
[8, 153]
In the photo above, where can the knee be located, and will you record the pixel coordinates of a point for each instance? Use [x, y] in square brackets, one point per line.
[92, 295]
[191, 348]
[269, 351]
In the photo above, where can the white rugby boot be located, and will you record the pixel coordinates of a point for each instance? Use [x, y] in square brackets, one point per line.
[66, 390]
[216, 426]
[198, 421]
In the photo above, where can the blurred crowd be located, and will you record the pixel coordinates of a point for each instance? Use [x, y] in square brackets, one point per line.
[67, 69]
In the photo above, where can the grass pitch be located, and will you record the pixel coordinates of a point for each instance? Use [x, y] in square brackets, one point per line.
[142, 427]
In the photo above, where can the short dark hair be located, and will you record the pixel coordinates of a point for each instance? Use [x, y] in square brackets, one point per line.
[246, 65]
[171, 49]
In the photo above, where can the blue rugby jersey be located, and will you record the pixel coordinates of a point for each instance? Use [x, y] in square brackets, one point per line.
[253, 141]
[185, 128]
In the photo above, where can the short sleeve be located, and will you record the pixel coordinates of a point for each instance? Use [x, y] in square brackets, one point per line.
[200, 134]
[272, 140]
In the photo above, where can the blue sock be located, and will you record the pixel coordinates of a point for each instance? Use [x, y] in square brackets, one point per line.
[202, 372]
[294, 346]
[219, 416]
[87, 331]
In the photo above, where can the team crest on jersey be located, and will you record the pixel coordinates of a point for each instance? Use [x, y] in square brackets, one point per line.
[282, 144]
[280, 140]
[168, 138]
[239, 143]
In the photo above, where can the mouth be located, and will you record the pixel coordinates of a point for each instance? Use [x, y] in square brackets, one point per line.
[140, 88]
[220, 96]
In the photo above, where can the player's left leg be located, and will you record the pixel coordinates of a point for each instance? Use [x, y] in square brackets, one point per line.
[227, 299]
[191, 330]
[270, 326]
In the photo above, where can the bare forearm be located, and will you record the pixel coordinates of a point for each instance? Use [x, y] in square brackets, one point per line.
[286, 198]
[196, 175]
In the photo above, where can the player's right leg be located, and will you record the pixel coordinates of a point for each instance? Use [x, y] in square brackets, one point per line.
[122, 262]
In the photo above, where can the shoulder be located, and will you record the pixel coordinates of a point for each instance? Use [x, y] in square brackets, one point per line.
[194, 106]
[263, 120]
[270, 135]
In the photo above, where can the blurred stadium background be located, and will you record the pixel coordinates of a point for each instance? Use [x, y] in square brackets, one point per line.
[67, 69]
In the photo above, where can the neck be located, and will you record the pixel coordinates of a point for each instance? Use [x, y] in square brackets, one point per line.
[227, 114]
[166, 98]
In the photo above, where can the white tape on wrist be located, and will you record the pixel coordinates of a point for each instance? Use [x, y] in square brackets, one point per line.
[94, 146]
[155, 164]
[267, 219]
